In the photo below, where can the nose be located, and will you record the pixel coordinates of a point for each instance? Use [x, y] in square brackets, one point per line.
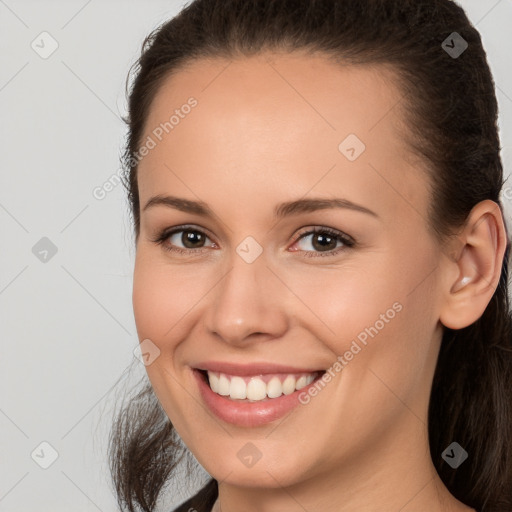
[249, 303]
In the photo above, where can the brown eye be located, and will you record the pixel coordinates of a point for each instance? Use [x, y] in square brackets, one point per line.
[324, 240]
[182, 239]
[321, 241]
[191, 239]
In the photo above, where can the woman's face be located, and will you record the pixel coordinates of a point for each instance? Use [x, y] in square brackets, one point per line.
[249, 284]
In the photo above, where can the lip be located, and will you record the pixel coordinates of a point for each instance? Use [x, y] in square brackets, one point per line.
[248, 414]
[244, 370]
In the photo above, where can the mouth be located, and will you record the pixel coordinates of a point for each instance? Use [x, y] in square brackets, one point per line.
[257, 388]
[258, 395]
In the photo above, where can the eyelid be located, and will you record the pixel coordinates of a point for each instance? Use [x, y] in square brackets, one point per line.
[163, 235]
[324, 229]
[346, 239]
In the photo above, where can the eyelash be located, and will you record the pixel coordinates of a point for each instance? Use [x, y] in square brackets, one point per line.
[348, 242]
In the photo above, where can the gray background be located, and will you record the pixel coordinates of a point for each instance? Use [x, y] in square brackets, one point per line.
[67, 329]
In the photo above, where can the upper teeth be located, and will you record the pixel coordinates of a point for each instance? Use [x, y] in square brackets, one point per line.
[255, 388]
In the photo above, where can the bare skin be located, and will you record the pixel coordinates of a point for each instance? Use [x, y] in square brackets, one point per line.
[265, 130]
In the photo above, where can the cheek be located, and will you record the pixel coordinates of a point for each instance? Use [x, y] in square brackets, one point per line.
[380, 312]
[161, 300]
[162, 296]
[385, 338]
[340, 303]
[150, 304]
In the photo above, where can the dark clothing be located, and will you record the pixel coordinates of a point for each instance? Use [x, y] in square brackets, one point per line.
[202, 501]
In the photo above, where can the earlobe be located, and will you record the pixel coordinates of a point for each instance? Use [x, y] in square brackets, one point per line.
[478, 267]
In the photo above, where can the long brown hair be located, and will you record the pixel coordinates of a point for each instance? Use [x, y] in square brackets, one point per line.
[451, 112]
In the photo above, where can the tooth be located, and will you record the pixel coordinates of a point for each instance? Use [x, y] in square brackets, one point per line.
[256, 389]
[223, 385]
[274, 388]
[301, 382]
[214, 381]
[289, 385]
[237, 388]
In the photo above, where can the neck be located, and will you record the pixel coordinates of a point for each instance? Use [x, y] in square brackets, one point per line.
[395, 473]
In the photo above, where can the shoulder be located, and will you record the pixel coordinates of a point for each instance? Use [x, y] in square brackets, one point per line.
[202, 501]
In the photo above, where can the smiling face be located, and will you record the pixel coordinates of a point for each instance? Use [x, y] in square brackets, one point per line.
[249, 283]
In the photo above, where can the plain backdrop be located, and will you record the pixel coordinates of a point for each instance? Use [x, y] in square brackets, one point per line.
[66, 259]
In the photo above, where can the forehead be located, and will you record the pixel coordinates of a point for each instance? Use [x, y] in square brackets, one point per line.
[279, 87]
[284, 120]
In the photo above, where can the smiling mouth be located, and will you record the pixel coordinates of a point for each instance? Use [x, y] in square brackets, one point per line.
[257, 388]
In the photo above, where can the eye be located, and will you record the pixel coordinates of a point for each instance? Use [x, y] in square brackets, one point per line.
[324, 242]
[191, 238]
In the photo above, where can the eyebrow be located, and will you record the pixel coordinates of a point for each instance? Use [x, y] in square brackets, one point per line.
[280, 211]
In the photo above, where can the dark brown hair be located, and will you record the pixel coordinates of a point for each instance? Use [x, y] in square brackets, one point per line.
[451, 112]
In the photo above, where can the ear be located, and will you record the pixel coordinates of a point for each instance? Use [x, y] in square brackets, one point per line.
[473, 274]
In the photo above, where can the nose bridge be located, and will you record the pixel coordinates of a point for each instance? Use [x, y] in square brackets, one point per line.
[247, 299]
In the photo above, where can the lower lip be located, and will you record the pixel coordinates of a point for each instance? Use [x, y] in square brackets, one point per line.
[248, 414]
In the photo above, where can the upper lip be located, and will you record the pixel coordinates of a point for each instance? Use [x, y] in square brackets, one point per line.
[261, 368]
